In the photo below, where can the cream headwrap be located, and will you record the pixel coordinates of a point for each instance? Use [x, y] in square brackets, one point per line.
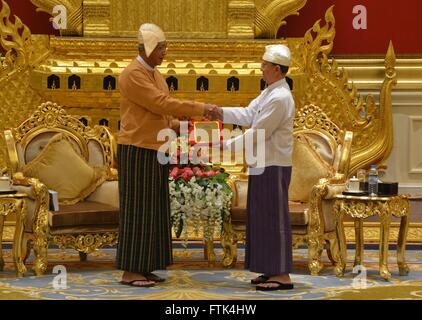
[150, 35]
[278, 54]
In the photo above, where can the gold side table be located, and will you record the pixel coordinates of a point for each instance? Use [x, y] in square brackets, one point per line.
[14, 203]
[361, 207]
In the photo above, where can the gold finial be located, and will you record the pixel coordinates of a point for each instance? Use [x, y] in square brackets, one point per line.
[390, 62]
[74, 85]
[109, 88]
[53, 86]
[202, 89]
[232, 89]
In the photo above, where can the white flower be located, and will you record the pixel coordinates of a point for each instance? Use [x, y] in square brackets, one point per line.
[198, 206]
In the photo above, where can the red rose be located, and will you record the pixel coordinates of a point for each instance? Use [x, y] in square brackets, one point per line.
[189, 172]
[174, 173]
[186, 177]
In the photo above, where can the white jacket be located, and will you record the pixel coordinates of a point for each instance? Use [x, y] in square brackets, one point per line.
[273, 111]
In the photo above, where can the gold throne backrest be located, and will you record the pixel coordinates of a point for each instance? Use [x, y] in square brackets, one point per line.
[96, 145]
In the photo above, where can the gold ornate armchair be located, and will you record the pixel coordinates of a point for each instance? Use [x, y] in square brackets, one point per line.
[321, 160]
[54, 150]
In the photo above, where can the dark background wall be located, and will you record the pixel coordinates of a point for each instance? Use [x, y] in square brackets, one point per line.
[400, 21]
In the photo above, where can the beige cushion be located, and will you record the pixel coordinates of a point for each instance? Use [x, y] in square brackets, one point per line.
[107, 193]
[308, 168]
[39, 142]
[61, 168]
[322, 146]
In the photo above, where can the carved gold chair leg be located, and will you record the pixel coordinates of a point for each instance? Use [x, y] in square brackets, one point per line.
[384, 237]
[40, 252]
[401, 246]
[209, 253]
[19, 245]
[341, 266]
[230, 255]
[229, 245]
[26, 247]
[2, 218]
[329, 253]
[333, 249]
[230, 252]
[315, 247]
[359, 242]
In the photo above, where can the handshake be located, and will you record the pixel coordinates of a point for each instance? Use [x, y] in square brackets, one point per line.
[213, 112]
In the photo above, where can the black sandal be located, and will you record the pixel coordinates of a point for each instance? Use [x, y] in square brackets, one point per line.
[153, 277]
[132, 283]
[260, 279]
[281, 286]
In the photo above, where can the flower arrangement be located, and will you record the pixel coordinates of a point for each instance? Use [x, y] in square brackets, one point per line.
[200, 196]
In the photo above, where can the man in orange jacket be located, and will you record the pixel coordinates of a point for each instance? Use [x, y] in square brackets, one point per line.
[146, 108]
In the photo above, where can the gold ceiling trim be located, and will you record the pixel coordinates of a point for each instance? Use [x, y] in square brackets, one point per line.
[245, 18]
[74, 13]
[270, 15]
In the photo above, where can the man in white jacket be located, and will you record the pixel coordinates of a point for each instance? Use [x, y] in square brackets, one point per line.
[268, 230]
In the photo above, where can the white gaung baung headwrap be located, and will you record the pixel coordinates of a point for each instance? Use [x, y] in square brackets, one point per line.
[278, 54]
[150, 35]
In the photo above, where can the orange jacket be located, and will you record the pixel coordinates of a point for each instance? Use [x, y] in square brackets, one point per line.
[146, 106]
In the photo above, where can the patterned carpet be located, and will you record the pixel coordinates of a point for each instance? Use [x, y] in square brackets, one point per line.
[190, 278]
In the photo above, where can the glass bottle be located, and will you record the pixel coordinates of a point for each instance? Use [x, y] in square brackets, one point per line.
[373, 181]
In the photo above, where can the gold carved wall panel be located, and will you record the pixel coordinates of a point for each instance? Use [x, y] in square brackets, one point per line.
[179, 18]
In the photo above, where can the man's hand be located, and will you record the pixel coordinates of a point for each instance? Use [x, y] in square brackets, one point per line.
[213, 112]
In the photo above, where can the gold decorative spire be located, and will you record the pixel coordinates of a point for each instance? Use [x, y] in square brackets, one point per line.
[372, 126]
[15, 38]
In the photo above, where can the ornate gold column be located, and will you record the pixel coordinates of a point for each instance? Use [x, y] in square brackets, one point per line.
[96, 18]
[241, 16]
